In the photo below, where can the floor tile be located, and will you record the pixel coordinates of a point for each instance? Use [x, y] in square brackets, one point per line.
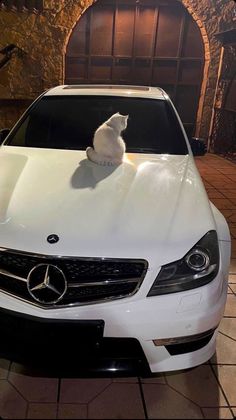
[126, 380]
[229, 170]
[162, 402]
[228, 327]
[232, 176]
[221, 185]
[230, 193]
[159, 379]
[230, 309]
[81, 391]
[223, 203]
[227, 378]
[233, 249]
[4, 367]
[217, 413]
[229, 290]
[233, 288]
[233, 231]
[232, 278]
[227, 214]
[225, 350]
[215, 194]
[232, 217]
[12, 404]
[42, 411]
[72, 411]
[190, 383]
[33, 389]
[117, 401]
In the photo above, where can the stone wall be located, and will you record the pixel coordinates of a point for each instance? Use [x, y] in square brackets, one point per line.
[44, 38]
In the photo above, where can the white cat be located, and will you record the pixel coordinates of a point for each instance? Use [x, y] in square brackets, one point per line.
[108, 145]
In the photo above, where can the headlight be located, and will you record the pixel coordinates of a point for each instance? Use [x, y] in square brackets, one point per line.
[197, 268]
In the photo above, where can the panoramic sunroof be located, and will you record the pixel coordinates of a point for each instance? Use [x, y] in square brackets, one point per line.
[118, 87]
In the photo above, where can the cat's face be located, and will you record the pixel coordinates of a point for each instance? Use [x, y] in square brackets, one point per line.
[119, 121]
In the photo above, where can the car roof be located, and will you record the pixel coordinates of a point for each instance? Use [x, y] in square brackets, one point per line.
[108, 90]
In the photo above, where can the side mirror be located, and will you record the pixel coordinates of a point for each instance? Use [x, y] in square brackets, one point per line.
[3, 134]
[198, 146]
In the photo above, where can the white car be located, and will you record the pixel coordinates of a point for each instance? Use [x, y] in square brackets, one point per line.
[118, 268]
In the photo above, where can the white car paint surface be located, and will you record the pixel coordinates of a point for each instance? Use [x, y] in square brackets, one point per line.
[152, 207]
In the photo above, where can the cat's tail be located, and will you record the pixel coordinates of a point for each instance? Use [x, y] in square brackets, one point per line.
[100, 159]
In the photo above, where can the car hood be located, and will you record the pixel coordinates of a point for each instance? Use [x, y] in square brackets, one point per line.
[152, 206]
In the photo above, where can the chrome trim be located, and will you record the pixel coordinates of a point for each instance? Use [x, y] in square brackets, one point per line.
[45, 284]
[8, 274]
[104, 283]
[104, 300]
[75, 257]
[197, 251]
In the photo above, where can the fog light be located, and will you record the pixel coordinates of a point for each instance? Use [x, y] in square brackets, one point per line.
[183, 339]
[198, 260]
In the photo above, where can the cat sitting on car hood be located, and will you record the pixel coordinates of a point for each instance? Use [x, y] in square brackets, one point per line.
[108, 145]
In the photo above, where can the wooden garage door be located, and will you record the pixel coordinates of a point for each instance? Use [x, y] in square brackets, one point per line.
[143, 42]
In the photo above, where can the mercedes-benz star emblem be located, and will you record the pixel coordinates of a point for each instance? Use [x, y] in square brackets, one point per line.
[53, 238]
[46, 283]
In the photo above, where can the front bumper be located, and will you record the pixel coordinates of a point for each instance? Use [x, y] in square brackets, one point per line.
[137, 322]
[68, 348]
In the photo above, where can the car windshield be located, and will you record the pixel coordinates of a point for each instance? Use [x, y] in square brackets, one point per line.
[69, 122]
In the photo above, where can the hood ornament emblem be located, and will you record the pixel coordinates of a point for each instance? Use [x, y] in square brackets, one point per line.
[46, 284]
[53, 238]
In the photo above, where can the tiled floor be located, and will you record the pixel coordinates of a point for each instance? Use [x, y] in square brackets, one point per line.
[208, 391]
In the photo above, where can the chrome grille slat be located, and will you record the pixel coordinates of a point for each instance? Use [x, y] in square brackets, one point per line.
[8, 274]
[103, 283]
[90, 280]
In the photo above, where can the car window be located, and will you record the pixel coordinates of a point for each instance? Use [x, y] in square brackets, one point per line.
[69, 122]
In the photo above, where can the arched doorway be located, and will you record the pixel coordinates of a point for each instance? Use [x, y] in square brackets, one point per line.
[144, 42]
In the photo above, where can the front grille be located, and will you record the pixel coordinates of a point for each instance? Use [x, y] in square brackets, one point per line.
[88, 279]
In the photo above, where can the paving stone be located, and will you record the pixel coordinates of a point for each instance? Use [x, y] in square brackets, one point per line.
[72, 411]
[212, 193]
[81, 390]
[162, 402]
[223, 203]
[159, 379]
[233, 288]
[229, 193]
[233, 249]
[233, 231]
[217, 413]
[4, 368]
[12, 404]
[33, 388]
[228, 327]
[190, 384]
[232, 278]
[42, 411]
[227, 378]
[230, 308]
[126, 380]
[225, 350]
[118, 401]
